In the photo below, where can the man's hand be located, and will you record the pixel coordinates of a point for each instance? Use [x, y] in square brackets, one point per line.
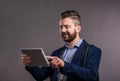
[56, 62]
[26, 59]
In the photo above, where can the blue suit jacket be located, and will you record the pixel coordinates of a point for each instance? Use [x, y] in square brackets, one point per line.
[73, 70]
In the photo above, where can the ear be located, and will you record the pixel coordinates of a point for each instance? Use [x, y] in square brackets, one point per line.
[78, 28]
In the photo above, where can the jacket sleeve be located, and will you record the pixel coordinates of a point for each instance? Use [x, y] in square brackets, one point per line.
[87, 73]
[39, 73]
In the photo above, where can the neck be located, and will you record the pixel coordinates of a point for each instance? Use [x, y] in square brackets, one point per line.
[71, 44]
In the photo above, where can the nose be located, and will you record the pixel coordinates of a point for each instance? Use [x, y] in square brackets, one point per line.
[62, 29]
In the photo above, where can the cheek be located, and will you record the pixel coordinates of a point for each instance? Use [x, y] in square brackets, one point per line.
[72, 30]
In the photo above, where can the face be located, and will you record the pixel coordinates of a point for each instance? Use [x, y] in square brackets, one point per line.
[68, 29]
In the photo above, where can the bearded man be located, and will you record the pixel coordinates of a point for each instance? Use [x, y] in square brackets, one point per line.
[65, 61]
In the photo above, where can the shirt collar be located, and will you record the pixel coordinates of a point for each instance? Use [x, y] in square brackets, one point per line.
[77, 44]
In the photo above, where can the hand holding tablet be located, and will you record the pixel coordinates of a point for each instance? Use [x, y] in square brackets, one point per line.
[37, 56]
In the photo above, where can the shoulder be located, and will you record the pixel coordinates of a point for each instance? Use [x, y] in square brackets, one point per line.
[92, 49]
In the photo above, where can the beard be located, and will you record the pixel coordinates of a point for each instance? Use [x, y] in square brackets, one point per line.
[69, 37]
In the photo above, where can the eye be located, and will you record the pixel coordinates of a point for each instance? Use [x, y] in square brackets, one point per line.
[67, 26]
[61, 27]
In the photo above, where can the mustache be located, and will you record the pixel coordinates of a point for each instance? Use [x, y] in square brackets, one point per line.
[65, 33]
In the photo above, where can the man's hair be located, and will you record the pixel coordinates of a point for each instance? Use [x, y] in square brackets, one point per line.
[73, 15]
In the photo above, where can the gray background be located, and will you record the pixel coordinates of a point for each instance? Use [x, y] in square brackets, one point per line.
[34, 23]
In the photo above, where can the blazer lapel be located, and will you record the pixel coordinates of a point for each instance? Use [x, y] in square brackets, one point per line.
[78, 53]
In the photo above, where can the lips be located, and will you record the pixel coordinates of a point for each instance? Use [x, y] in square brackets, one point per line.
[64, 35]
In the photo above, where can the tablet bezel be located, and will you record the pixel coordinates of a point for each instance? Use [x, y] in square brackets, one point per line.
[37, 55]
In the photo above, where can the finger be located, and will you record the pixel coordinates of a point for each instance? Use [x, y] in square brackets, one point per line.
[54, 61]
[56, 65]
[51, 57]
[27, 61]
[25, 58]
[25, 55]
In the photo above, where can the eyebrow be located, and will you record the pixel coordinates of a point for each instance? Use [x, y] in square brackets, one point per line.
[64, 25]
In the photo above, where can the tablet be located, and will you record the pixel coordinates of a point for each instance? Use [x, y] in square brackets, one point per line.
[37, 56]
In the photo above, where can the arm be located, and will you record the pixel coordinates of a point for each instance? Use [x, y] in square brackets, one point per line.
[39, 73]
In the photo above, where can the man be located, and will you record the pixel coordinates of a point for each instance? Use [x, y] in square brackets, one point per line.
[65, 61]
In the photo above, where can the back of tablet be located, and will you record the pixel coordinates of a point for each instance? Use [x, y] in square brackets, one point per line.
[37, 56]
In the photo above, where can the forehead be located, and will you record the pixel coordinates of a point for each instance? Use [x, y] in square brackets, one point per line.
[66, 21]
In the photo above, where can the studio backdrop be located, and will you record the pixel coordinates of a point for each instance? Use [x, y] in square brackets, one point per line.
[35, 23]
